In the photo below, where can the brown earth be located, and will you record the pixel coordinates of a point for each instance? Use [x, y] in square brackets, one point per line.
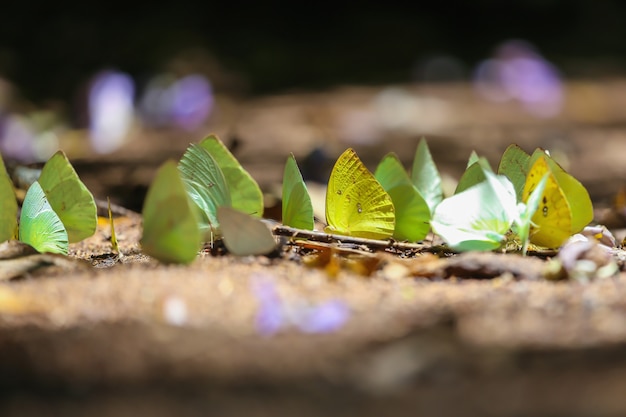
[93, 335]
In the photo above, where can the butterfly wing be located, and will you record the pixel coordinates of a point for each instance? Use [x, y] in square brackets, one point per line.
[412, 213]
[426, 177]
[356, 203]
[170, 226]
[411, 210]
[552, 222]
[205, 184]
[576, 194]
[244, 190]
[514, 165]
[69, 197]
[243, 234]
[479, 217]
[40, 226]
[297, 210]
[8, 205]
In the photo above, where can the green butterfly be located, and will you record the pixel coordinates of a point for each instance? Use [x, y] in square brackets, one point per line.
[297, 209]
[474, 172]
[245, 193]
[214, 178]
[170, 225]
[243, 234]
[40, 226]
[206, 186]
[69, 197]
[412, 212]
[480, 217]
[425, 176]
[514, 165]
[58, 209]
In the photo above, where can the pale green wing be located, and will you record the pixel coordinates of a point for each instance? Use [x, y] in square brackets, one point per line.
[170, 227]
[205, 184]
[412, 212]
[40, 226]
[473, 158]
[243, 234]
[527, 211]
[514, 164]
[69, 197]
[479, 217]
[8, 205]
[474, 173]
[297, 209]
[390, 172]
[426, 177]
[244, 190]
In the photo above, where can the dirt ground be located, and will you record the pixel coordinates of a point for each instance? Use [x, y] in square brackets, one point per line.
[476, 335]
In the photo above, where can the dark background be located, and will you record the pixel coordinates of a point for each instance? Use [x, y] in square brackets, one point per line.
[48, 48]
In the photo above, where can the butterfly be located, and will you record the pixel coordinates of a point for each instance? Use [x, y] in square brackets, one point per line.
[205, 185]
[411, 210]
[171, 231]
[479, 217]
[564, 208]
[297, 210]
[40, 226]
[356, 204]
[69, 197]
[57, 210]
[243, 234]
[244, 191]
[214, 178]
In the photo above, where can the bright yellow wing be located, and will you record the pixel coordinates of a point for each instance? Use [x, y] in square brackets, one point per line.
[552, 222]
[356, 203]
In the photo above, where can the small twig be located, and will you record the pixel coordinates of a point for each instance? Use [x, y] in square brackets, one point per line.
[375, 244]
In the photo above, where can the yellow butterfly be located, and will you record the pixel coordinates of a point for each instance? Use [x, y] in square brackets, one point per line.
[356, 203]
[565, 207]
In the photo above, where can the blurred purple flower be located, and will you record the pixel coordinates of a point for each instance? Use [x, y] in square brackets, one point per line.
[269, 318]
[519, 72]
[192, 101]
[325, 318]
[274, 313]
[111, 110]
[17, 138]
[185, 103]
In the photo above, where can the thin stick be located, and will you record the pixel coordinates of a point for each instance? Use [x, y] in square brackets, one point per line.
[294, 233]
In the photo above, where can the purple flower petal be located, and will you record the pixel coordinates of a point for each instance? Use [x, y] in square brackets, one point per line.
[324, 318]
[269, 317]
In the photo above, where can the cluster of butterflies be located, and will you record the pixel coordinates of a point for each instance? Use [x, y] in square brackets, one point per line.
[208, 194]
[58, 209]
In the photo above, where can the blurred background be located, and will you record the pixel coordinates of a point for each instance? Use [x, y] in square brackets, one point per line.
[123, 86]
